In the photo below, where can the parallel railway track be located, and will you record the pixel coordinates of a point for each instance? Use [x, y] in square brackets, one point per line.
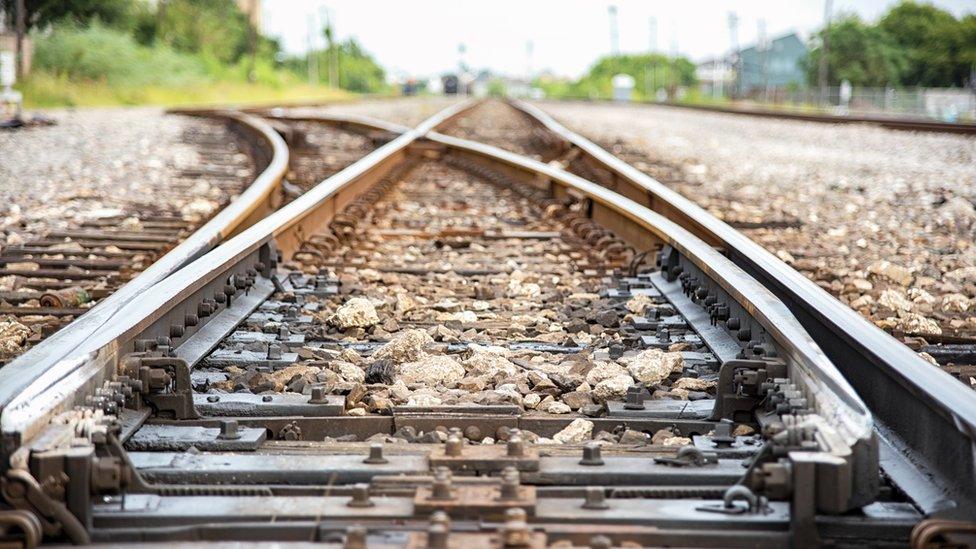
[446, 343]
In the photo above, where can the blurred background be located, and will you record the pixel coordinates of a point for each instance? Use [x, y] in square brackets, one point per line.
[871, 56]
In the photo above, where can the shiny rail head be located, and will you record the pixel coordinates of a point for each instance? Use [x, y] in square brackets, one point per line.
[844, 421]
[923, 412]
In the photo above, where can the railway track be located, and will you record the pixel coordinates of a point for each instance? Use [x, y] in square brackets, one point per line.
[447, 343]
[889, 122]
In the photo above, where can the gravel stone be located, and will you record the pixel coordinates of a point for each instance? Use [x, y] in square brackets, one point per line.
[407, 346]
[576, 432]
[841, 202]
[611, 388]
[358, 312]
[432, 370]
[653, 365]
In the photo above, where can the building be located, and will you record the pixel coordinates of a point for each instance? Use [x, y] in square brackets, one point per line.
[775, 65]
[716, 77]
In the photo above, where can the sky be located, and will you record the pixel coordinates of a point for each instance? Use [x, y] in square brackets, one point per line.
[421, 37]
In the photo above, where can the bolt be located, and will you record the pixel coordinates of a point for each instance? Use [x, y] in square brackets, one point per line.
[455, 432]
[591, 454]
[176, 330]
[219, 297]
[267, 398]
[595, 498]
[744, 334]
[437, 536]
[443, 486]
[600, 542]
[515, 531]
[274, 352]
[516, 447]
[228, 430]
[732, 323]
[318, 396]
[376, 455]
[191, 319]
[453, 446]
[360, 496]
[440, 517]
[510, 484]
[213, 398]
[635, 398]
[355, 537]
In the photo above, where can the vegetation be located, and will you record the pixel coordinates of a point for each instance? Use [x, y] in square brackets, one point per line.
[651, 72]
[912, 44]
[861, 53]
[134, 51]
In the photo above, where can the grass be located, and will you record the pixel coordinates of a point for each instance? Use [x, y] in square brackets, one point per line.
[44, 90]
[102, 66]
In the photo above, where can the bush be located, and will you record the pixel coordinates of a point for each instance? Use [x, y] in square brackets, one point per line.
[99, 53]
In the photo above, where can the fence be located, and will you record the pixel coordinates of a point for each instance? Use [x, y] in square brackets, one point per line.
[947, 104]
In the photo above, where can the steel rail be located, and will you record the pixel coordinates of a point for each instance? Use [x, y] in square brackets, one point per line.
[891, 123]
[927, 419]
[838, 400]
[846, 417]
[262, 196]
[28, 399]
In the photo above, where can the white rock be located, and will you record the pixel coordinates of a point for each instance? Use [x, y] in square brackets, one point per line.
[693, 384]
[13, 335]
[531, 400]
[894, 300]
[349, 371]
[431, 371]
[615, 387]
[652, 366]
[487, 363]
[399, 390]
[356, 412]
[892, 272]
[604, 370]
[423, 399]
[576, 432]
[556, 407]
[639, 303]
[956, 303]
[965, 273]
[358, 312]
[407, 346]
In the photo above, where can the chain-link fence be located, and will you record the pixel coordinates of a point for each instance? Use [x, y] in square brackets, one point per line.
[947, 104]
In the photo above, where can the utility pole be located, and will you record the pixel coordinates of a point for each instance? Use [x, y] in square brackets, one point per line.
[734, 57]
[651, 70]
[614, 32]
[312, 56]
[824, 51]
[21, 24]
[252, 41]
[333, 48]
[764, 58]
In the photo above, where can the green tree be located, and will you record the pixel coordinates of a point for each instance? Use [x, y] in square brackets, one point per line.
[649, 71]
[933, 42]
[358, 71]
[863, 54]
[215, 29]
[967, 54]
[41, 13]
